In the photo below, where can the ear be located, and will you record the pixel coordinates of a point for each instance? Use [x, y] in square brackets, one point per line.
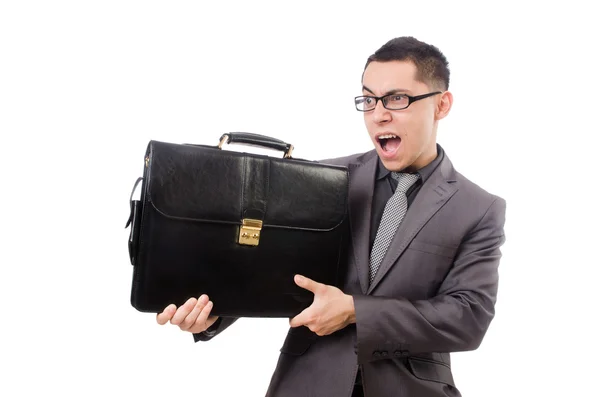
[444, 105]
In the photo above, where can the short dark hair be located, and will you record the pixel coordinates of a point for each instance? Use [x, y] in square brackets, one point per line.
[432, 66]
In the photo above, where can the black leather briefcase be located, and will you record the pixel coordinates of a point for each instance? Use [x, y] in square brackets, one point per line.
[236, 226]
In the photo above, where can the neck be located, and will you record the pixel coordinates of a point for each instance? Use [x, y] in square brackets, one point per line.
[424, 159]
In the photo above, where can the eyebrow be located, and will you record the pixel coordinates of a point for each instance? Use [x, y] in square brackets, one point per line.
[394, 91]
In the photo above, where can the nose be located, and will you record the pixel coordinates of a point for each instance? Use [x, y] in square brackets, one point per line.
[381, 114]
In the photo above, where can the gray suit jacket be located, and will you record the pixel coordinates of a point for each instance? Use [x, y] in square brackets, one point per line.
[434, 294]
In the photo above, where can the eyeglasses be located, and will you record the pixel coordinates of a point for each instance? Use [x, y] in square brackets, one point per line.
[390, 101]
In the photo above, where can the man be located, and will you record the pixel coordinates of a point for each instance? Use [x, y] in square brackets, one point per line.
[422, 273]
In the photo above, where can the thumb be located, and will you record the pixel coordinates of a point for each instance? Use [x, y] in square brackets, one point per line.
[308, 284]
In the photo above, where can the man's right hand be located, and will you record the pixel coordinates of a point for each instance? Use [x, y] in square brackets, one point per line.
[193, 316]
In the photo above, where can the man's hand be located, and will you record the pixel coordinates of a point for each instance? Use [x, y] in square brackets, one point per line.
[193, 316]
[330, 311]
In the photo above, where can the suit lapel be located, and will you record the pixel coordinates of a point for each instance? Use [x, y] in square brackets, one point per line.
[436, 192]
[362, 182]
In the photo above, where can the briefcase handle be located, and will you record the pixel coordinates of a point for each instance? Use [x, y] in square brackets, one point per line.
[251, 139]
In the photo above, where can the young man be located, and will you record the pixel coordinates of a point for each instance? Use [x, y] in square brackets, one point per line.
[423, 270]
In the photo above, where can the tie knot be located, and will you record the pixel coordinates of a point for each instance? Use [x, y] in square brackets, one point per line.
[405, 181]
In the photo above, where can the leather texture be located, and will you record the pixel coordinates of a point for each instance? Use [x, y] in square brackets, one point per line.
[251, 139]
[185, 228]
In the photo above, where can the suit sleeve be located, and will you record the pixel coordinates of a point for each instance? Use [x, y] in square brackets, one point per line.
[219, 326]
[454, 320]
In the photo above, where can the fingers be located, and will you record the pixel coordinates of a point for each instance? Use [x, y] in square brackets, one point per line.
[296, 322]
[166, 315]
[204, 319]
[308, 284]
[183, 311]
[304, 318]
[308, 320]
[196, 314]
[193, 316]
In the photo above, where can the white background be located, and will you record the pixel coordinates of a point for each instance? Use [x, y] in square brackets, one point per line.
[84, 85]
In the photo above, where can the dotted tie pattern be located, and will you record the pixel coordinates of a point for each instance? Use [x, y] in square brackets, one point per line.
[393, 213]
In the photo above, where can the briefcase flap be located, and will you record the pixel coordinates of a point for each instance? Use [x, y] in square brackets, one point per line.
[206, 184]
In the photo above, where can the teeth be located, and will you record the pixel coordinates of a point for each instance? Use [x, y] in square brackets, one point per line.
[388, 136]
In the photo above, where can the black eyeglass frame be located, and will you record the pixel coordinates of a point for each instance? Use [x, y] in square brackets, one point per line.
[411, 99]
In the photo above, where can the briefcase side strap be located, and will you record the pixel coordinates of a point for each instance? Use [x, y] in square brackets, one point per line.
[251, 139]
[135, 217]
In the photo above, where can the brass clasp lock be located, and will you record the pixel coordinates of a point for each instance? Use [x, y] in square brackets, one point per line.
[250, 232]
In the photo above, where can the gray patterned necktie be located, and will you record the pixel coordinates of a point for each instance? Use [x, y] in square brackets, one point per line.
[394, 212]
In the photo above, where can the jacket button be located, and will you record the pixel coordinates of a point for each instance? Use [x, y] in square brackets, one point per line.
[384, 354]
[401, 353]
[376, 354]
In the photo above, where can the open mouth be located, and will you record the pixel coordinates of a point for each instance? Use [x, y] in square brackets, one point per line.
[389, 143]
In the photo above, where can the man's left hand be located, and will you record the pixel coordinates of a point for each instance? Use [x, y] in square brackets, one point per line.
[330, 311]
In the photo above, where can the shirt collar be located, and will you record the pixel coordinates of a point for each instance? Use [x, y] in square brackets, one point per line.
[424, 172]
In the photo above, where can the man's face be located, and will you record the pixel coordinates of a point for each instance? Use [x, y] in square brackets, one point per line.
[413, 130]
